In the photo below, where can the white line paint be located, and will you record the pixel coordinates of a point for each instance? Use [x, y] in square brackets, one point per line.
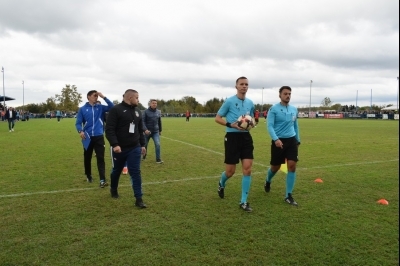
[195, 178]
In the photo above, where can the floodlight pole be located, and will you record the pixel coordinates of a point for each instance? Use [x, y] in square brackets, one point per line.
[4, 94]
[23, 96]
[309, 107]
[397, 94]
[262, 100]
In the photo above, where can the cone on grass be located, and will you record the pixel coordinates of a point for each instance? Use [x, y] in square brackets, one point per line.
[318, 180]
[284, 167]
[383, 202]
[125, 171]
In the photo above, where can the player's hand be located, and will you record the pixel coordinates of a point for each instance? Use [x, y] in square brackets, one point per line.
[235, 125]
[278, 143]
[147, 132]
[82, 135]
[100, 94]
[117, 149]
[143, 150]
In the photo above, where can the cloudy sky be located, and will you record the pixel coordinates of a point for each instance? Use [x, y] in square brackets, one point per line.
[176, 48]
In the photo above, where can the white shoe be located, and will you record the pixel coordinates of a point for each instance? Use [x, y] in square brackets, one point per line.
[12, 129]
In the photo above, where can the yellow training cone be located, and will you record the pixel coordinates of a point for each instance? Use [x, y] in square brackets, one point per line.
[284, 167]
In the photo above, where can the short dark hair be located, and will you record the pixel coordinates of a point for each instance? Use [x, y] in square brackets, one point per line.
[240, 78]
[284, 88]
[130, 90]
[91, 92]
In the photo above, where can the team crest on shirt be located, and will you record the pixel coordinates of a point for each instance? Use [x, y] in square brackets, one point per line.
[136, 113]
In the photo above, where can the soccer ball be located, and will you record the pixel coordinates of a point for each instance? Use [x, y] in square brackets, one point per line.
[246, 122]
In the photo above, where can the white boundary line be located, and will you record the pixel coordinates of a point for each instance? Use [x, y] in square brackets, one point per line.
[194, 178]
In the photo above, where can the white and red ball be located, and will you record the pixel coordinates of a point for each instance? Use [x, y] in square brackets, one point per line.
[246, 122]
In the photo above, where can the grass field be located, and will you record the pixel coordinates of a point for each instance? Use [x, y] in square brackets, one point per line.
[50, 215]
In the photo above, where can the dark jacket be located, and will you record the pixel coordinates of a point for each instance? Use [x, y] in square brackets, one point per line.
[13, 115]
[119, 120]
[152, 120]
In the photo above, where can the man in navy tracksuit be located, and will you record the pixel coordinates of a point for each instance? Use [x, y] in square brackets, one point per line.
[124, 131]
[89, 123]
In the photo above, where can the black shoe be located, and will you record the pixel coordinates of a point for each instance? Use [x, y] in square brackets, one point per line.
[89, 178]
[221, 189]
[159, 161]
[103, 183]
[114, 193]
[289, 199]
[140, 204]
[267, 187]
[246, 207]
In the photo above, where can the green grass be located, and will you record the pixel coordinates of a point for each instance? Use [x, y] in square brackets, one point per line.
[50, 215]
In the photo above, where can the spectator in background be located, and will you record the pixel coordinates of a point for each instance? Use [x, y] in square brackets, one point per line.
[256, 117]
[152, 128]
[11, 115]
[58, 115]
[187, 115]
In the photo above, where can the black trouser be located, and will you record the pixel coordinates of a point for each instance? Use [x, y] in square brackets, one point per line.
[97, 144]
[10, 123]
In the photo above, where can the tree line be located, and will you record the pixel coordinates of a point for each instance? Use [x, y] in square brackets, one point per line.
[69, 100]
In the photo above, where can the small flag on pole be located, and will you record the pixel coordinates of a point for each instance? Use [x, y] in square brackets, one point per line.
[284, 167]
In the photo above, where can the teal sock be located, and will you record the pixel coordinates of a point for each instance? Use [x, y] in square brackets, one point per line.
[290, 179]
[270, 175]
[223, 179]
[246, 181]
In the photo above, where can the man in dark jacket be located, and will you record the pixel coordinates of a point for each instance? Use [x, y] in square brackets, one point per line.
[152, 128]
[124, 131]
[11, 115]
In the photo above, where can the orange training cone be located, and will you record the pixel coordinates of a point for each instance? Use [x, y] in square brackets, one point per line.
[125, 171]
[318, 180]
[383, 202]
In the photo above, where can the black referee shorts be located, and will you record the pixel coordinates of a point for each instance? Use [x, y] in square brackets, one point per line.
[289, 151]
[238, 146]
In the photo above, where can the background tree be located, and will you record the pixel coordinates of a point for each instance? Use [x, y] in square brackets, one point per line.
[212, 106]
[326, 102]
[190, 103]
[51, 104]
[336, 107]
[69, 98]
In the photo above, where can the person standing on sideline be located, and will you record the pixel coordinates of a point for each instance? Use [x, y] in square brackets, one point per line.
[256, 117]
[265, 116]
[89, 123]
[58, 115]
[11, 115]
[152, 128]
[284, 131]
[187, 115]
[238, 142]
[124, 132]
